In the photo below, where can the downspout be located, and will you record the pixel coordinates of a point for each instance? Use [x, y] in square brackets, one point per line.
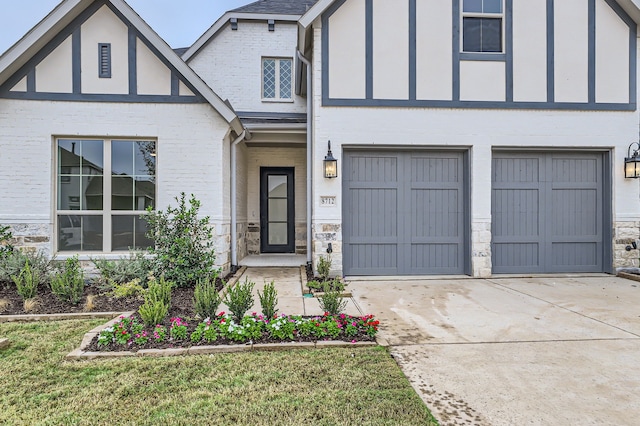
[309, 155]
[234, 207]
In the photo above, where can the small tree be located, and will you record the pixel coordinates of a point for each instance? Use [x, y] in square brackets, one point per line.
[183, 250]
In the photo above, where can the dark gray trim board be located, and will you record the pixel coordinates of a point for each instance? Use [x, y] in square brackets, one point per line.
[89, 97]
[551, 52]
[31, 81]
[133, 60]
[175, 84]
[506, 57]
[76, 48]
[478, 104]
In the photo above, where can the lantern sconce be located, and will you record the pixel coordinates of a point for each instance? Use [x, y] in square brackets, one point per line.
[632, 162]
[331, 165]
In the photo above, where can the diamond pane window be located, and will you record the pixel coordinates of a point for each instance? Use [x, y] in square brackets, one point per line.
[277, 76]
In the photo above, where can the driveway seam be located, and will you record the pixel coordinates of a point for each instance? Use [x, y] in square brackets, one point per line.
[566, 309]
[514, 342]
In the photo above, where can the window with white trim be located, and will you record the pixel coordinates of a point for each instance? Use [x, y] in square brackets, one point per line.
[482, 26]
[277, 79]
[102, 188]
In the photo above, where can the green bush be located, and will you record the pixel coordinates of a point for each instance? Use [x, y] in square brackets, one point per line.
[269, 300]
[183, 249]
[128, 289]
[27, 282]
[5, 240]
[206, 298]
[324, 267]
[157, 301]
[13, 262]
[123, 270]
[239, 299]
[332, 301]
[68, 283]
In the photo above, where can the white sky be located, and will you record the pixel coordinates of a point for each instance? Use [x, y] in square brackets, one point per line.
[178, 22]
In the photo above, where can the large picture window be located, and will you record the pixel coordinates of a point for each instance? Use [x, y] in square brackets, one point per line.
[277, 79]
[482, 26]
[103, 186]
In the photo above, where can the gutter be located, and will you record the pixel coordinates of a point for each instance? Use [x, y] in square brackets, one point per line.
[309, 155]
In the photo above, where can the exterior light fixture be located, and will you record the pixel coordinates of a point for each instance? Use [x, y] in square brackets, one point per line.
[331, 165]
[632, 162]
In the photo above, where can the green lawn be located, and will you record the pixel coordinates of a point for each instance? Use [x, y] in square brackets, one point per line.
[310, 387]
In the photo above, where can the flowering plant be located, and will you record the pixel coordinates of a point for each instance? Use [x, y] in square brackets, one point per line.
[178, 329]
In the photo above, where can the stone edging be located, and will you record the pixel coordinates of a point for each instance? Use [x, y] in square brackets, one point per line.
[4, 344]
[632, 277]
[96, 315]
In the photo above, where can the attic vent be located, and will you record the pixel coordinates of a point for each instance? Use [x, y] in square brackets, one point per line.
[234, 23]
[272, 25]
[104, 60]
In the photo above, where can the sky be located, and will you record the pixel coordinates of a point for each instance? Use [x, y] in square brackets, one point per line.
[178, 22]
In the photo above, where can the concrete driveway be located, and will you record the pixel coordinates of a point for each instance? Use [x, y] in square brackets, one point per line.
[507, 351]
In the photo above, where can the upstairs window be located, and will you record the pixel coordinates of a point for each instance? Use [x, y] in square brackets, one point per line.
[482, 26]
[277, 79]
[103, 186]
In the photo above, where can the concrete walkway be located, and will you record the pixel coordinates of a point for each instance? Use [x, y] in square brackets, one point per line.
[537, 351]
[289, 285]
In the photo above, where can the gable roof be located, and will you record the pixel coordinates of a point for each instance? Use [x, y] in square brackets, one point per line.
[68, 10]
[285, 7]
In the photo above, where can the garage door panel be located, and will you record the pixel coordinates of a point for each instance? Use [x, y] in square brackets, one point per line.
[425, 214]
[516, 212]
[576, 212]
[516, 170]
[435, 258]
[512, 257]
[566, 169]
[435, 213]
[576, 254]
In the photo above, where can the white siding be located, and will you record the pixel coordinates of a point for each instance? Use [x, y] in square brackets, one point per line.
[105, 27]
[347, 61]
[434, 68]
[231, 64]
[571, 51]
[20, 86]
[184, 90]
[54, 74]
[390, 49]
[612, 55]
[530, 51]
[154, 78]
[482, 81]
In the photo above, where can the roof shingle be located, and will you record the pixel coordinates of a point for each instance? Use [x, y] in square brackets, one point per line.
[277, 7]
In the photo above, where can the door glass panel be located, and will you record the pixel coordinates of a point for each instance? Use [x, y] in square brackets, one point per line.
[278, 234]
[278, 210]
[277, 186]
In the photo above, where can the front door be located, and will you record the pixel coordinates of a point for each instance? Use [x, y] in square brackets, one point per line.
[277, 231]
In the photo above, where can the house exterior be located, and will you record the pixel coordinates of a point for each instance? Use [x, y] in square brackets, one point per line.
[472, 137]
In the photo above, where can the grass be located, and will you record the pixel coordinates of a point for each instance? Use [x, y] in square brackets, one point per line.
[321, 387]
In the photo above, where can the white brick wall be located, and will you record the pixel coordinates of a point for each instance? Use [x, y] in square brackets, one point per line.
[231, 64]
[190, 151]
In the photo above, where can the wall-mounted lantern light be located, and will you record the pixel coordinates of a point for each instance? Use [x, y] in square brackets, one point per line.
[632, 162]
[331, 165]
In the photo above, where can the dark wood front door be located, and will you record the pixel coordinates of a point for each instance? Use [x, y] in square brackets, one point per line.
[277, 230]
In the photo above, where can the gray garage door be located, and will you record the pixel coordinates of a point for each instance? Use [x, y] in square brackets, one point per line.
[404, 213]
[547, 212]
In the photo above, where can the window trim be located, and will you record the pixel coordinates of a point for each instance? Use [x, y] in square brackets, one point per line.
[277, 97]
[107, 212]
[489, 55]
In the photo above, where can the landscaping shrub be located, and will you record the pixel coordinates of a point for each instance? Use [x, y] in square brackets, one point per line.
[239, 299]
[123, 270]
[335, 284]
[206, 298]
[128, 289]
[13, 262]
[332, 301]
[183, 249]
[68, 283]
[5, 238]
[268, 300]
[27, 282]
[157, 301]
[324, 267]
